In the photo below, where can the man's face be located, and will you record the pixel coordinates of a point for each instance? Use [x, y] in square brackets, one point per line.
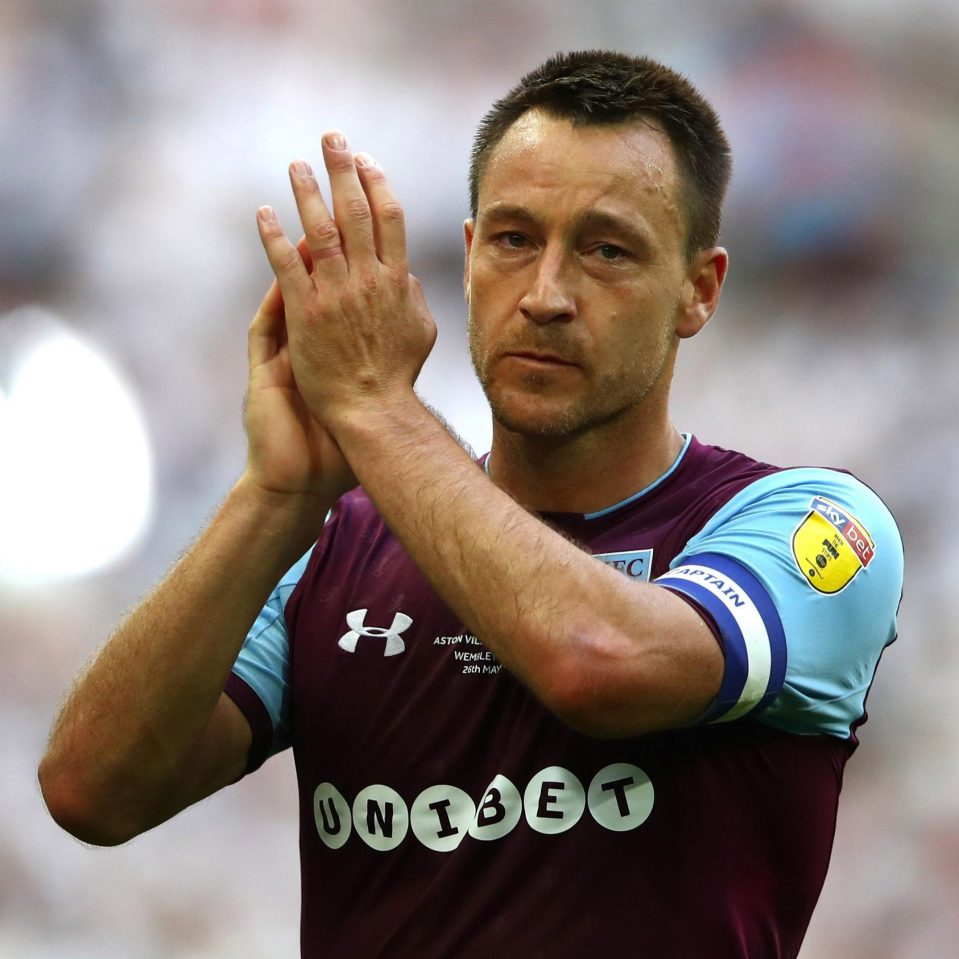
[575, 273]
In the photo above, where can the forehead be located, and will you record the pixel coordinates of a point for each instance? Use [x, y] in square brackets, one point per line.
[628, 169]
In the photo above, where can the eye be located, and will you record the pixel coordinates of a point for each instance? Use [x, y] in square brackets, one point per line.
[609, 251]
[513, 241]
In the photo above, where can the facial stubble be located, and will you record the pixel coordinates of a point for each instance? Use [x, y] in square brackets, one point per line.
[610, 395]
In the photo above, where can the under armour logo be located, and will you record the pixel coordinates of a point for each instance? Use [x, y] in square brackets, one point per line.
[394, 642]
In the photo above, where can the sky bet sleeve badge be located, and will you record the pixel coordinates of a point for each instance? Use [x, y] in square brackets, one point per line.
[831, 546]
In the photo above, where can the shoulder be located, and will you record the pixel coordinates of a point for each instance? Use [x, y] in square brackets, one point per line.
[835, 527]
[811, 560]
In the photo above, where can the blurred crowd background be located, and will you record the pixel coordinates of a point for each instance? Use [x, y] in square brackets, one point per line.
[138, 138]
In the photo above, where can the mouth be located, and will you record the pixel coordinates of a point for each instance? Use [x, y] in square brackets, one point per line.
[539, 358]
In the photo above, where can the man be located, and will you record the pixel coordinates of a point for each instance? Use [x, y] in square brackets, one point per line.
[592, 696]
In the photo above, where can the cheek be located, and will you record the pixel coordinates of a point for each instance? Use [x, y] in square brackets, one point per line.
[486, 306]
[475, 337]
[637, 333]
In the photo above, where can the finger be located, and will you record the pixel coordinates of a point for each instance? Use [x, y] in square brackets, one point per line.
[320, 231]
[351, 209]
[285, 260]
[267, 328]
[303, 249]
[389, 224]
[267, 331]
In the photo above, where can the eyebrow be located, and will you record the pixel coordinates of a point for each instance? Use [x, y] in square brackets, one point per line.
[588, 220]
[601, 220]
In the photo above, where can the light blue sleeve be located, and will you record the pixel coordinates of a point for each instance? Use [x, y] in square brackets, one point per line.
[802, 573]
[264, 661]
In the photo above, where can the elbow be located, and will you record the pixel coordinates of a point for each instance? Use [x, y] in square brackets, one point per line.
[597, 693]
[77, 810]
[607, 686]
[586, 709]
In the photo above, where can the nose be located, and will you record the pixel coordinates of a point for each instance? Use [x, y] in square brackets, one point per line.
[549, 298]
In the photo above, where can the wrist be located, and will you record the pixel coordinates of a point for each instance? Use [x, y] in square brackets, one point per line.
[295, 519]
[399, 443]
[387, 413]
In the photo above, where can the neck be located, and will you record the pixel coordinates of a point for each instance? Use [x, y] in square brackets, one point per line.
[587, 472]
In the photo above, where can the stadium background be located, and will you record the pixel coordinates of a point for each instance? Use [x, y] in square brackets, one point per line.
[137, 140]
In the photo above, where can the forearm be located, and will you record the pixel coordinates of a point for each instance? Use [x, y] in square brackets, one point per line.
[129, 726]
[609, 656]
[577, 633]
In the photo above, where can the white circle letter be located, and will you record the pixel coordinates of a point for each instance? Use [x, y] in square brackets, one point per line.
[441, 817]
[620, 797]
[380, 817]
[499, 810]
[331, 813]
[554, 800]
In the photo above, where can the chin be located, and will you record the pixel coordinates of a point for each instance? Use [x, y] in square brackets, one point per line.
[532, 415]
[538, 419]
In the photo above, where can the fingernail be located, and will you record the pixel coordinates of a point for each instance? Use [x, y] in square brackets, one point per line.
[266, 214]
[364, 159]
[302, 168]
[335, 140]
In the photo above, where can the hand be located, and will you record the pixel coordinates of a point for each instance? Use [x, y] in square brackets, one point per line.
[359, 330]
[289, 451]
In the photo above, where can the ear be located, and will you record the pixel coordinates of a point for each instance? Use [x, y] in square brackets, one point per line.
[701, 289]
[468, 227]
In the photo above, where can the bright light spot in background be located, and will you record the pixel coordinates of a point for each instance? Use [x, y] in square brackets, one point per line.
[76, 473]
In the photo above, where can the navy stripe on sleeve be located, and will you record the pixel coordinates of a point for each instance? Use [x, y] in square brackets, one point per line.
[754, 641]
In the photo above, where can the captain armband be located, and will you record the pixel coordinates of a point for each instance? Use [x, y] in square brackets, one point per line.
[754, 643]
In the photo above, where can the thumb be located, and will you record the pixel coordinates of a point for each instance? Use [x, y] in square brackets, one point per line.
[420, 305]
[267, 328]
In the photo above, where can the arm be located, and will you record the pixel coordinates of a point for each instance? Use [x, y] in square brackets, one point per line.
[146, 730]
[610, 657]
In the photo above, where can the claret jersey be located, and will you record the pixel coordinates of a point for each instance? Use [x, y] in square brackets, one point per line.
[445, 812]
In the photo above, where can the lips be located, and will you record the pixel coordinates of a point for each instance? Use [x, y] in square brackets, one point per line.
[537, 356]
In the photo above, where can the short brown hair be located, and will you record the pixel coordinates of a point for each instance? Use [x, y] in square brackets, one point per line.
[599, 87]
